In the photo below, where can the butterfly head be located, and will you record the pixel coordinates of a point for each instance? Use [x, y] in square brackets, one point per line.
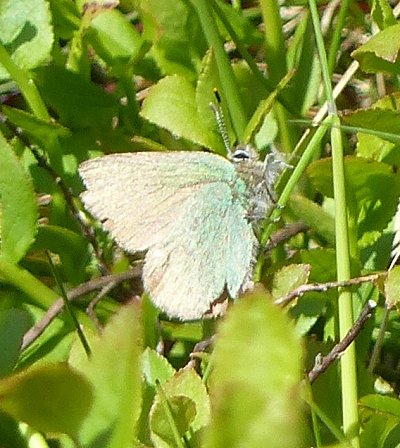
[243, 153]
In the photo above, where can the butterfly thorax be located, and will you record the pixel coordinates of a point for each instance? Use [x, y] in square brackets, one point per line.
[253, 172]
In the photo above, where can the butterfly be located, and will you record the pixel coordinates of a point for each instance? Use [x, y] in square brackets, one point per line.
[194, 213]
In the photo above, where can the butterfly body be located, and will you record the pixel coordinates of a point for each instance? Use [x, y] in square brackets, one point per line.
[193, 214]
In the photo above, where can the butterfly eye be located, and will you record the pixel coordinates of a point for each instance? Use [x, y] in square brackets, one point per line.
[240, 154]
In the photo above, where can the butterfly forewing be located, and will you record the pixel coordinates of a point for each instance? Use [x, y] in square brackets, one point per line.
[188, 210]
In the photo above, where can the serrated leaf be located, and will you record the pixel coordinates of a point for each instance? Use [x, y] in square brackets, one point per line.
[19, 210]
[188, 385]
[289, 278]
[26, 32]
[14, 324]
[380, 53]
[171, 104]
[254, 403]
[392, 287]
[51, 398]
[376, 119]
[156, 368]
[114, 372]
[183, 411]
[382, 14]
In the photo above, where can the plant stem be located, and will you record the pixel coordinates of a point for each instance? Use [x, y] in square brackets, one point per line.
[348, 361]
[230, 89]
[337, 33]
[276, 62]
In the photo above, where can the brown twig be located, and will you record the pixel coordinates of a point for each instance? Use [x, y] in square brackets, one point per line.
[90, 309]
[33, 333]
[322, 287]
[284, 234]
[322, 364]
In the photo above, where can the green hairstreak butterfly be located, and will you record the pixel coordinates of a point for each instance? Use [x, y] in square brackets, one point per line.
[192, 212]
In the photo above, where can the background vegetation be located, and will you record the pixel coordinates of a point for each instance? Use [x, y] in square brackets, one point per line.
[80, 79]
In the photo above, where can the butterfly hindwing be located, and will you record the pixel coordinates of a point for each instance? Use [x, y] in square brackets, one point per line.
[213, 249]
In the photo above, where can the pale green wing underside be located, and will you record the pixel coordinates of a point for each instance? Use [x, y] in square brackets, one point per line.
[188, 210]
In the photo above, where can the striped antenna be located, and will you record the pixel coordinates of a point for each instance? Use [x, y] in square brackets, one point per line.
[220, 119]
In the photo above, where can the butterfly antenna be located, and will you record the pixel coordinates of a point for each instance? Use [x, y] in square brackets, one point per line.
[220, 119]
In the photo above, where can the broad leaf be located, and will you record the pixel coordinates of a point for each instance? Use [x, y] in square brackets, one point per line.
[26, 32]
[50, 398]
[19, 210]
[255, 384]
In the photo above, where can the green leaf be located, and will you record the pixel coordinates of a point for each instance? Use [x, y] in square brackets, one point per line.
[51, 398]
[26, 32]
[178, 41]
[115, 39]
[376, 119]
[65, 16]
[208, 80]
[19, 211]
[314, 216]
[156, 368]
[78, 102]
[289, 278]
[322, 262]
[14, 324]
[40, 131]
[382, 14]
[376, 430]
[114, 372]
[72, 248]
[373, 187]
[171, 105]
[307, 310]
[380, 53]
[382, 404]
[185, 393]
[392, 287]
[255, 384]
[183, 411]
[246, 32]
[263, 109]
[301, 54]
[376, 148]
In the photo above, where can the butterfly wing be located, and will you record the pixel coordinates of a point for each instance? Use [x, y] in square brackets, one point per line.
[187, 209]
[214, 248]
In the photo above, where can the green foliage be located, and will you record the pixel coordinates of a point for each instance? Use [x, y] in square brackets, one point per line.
[19, 209]
[26, 32]
[254, 402]
[82, 79]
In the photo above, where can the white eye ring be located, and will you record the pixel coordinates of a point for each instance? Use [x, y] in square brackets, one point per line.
[239, 155]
